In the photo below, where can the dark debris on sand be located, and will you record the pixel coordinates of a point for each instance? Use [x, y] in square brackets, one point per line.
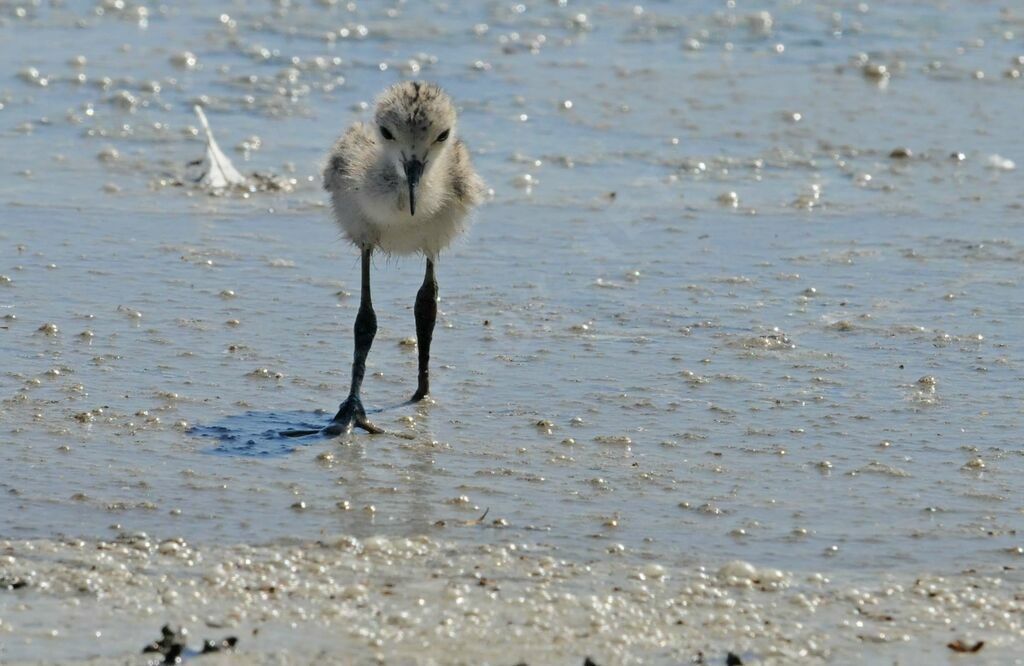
[173, 645]
[959, 646]
[586, 662]
[255, 182]
[731, 659]
[12, 583]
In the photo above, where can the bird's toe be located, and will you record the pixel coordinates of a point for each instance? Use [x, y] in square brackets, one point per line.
[351, 414]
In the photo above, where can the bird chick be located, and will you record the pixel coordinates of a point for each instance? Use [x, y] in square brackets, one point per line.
[403, 185]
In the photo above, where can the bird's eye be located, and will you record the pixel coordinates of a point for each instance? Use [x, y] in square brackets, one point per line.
[443, 136]
[386, 133]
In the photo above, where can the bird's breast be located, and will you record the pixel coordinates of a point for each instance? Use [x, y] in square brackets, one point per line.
[389, 206]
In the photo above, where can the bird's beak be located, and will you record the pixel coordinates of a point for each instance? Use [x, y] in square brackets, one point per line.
[413, 171]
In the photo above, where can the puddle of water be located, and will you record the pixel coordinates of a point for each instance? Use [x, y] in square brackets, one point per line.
[259, 433]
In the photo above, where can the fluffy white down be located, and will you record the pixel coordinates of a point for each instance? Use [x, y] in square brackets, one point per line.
[371, 200]
[386, 224]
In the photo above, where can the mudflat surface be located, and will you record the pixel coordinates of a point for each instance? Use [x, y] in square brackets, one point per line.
[747, 288]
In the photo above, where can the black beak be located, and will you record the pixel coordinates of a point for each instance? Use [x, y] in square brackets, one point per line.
[413, 171]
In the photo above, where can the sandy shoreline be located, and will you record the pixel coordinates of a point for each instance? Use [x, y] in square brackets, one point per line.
[425, 601]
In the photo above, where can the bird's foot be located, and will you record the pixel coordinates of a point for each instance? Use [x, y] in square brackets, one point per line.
[422, 390]
[351, 415]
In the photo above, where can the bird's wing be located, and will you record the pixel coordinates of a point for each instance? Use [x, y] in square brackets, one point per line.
[350, 156]
[466, 186]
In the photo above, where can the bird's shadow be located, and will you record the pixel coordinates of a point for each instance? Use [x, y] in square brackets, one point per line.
[254, 434]
[258, 434]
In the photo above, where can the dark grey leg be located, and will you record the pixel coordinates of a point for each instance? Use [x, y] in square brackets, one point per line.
[426, 315]
[351, 412]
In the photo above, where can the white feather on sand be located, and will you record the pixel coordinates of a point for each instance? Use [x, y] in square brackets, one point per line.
[218, 171]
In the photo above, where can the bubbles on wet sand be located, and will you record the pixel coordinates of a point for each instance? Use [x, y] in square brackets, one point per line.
[810, 198]
[1000, 163]
[33, 76]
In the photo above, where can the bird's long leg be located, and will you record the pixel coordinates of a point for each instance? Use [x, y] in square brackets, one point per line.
[426, 316]
[351, 412]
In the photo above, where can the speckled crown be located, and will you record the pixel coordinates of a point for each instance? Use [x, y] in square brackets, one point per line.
[416, 105]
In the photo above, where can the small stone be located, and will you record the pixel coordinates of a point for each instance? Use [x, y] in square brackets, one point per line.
[619, 440]
[879, 73]
[738, 569]
[974, 463]
[184, 60]
[729, 199]
[654, 571]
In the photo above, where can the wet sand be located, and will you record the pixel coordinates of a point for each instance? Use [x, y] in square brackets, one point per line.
[424, 601]
[747, 288]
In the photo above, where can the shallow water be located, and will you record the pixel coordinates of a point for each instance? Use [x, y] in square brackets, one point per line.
[821, 371]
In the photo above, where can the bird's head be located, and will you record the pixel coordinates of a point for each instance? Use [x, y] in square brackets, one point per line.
[416, 124]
